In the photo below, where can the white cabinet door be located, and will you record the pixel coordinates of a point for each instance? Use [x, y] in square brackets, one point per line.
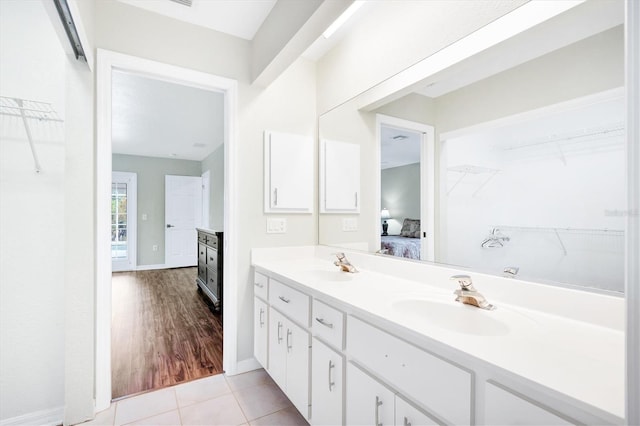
[277, 348]
[505, 408]
[339, 177]
[408, 415]
[368, 401]
[326, 385]
[288, 173]
[260, 331]
[297, 388]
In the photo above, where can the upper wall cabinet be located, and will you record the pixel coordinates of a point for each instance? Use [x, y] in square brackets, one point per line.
[288, 173]
[339, 177]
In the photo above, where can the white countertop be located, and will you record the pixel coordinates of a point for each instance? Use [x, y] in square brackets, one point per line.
[582, 360]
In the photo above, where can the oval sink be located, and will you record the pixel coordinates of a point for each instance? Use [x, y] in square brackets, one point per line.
[453, 316]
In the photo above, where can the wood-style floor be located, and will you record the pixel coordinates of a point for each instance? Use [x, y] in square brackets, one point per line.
[162, 331]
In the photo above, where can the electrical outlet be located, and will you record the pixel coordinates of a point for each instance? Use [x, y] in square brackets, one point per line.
[144, 216]
[349, 224]
[155, 247]
[276, 225]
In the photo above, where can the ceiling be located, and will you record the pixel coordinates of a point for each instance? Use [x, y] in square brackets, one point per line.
[398, 147]
[240, 18]
[156, 118]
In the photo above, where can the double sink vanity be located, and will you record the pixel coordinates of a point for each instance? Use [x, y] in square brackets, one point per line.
[389, 344]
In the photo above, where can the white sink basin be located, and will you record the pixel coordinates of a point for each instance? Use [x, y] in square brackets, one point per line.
[454, 316]
[334, 276]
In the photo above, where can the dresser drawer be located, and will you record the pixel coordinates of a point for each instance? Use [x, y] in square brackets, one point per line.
[212, 258]
[202, 254]
[441, 387]
[328, 323]
[290, 302]
[202, 237]
[202, 272]
[260, 285]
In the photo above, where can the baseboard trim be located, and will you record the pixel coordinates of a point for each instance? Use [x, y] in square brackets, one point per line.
[50, 417]
[247, 365]
[150, 267]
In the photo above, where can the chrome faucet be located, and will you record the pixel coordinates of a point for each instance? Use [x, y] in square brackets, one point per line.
[344, 264]
[468, 294]
[510, 271]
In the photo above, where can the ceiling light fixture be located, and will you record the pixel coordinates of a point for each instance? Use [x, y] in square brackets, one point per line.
[343, 18]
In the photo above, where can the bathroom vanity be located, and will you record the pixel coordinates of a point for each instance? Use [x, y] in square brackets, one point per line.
[390, 345]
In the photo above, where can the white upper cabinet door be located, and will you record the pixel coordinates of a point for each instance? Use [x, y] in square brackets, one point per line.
[339, 177]
[288, 170]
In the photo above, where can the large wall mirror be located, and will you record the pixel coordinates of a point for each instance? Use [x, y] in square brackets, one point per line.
[510, 161]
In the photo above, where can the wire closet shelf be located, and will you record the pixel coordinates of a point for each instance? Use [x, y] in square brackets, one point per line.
[28, 111]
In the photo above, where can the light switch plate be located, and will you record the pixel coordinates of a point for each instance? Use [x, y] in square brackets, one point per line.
[276, 225]
[350, 224]
[144, 216]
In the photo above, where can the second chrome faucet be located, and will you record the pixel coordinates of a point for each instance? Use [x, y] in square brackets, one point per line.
[344, 264]
[468, 294]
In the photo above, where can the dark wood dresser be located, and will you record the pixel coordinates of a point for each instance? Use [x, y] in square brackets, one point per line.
[210, 256]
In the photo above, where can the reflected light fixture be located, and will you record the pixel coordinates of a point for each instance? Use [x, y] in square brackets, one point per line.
[384, 214]
[343, 18]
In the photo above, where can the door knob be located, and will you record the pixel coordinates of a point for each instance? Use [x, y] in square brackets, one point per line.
[170, 225]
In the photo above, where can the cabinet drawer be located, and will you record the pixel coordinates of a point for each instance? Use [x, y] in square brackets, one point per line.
[328, 323]
[260, 285]
[505, 408]
[212, 241]
[202, 254]
[212, 281]
[290, 302]
[212, 258]
[202, 237]
[202, 272]
[440, 386]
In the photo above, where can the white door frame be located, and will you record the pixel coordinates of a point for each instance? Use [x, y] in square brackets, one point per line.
[107, 61]
[132, 217]
[427, 179]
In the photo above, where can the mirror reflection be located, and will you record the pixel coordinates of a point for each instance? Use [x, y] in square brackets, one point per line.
[510, 162]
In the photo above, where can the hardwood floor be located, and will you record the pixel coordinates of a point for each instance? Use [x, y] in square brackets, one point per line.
[162, 331]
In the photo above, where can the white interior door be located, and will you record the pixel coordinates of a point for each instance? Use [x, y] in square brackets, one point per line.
[123, 221]
[182, 213]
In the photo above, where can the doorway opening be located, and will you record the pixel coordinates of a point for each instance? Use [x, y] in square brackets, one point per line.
[406, 188]
[151, 275]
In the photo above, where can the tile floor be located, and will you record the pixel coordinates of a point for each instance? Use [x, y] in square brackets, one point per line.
[246, 399]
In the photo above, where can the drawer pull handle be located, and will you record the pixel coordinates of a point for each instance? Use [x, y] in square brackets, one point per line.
[259, 285]
[378, 404]
[331, 366]
[284, 299]
[261, 315]
[279, 328]
[289, 333]
[323, 322]
[406, 421]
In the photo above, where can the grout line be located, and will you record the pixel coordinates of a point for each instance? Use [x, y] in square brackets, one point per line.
[175, 394]
[115, 411]
[239, 405]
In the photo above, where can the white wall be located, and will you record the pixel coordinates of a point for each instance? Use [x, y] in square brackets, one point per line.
[214, 163]
[395, 35]
[400, 193]
[539, 191]
[32, 66]
[287, 105]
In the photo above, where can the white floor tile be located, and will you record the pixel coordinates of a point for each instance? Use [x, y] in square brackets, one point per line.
[202, 389]
[171, 418]
[258, 401]
[223, 410]
[252, 378]
[145, 405]
[287, 417]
